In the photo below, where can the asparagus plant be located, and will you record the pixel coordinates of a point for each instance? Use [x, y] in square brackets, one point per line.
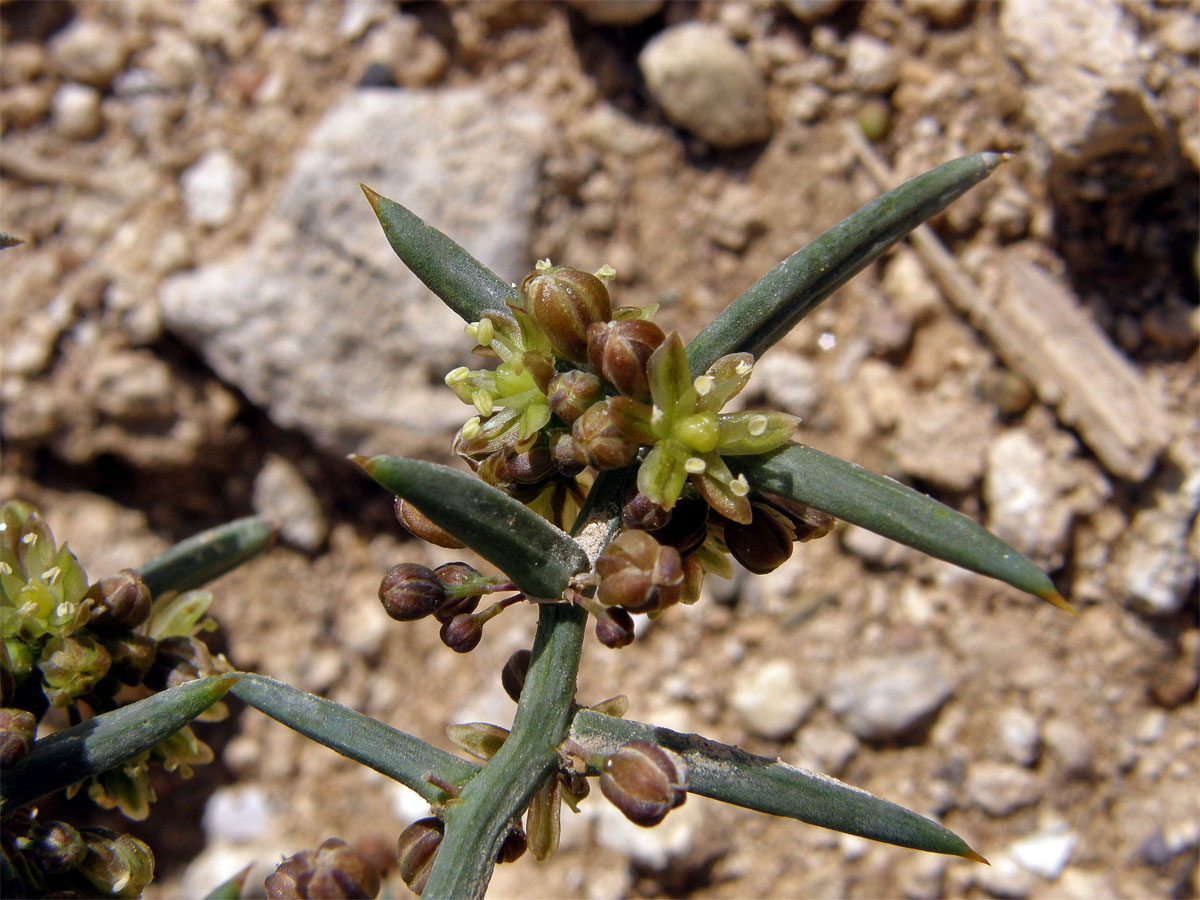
[603, 480]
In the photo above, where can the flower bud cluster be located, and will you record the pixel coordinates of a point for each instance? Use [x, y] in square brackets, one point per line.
[450, 594]
[54, 859]
[68, 644]
[581, 384]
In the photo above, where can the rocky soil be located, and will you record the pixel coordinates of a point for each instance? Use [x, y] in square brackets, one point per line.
[204, 318]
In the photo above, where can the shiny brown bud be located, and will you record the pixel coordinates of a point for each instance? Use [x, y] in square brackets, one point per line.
[409, 592]
[333, 870]
[597, 436]
[639, 512]
[615, 628]
[178, 660]
[514, 846]
[808, 523]
[569, 460]
[18, 729]
[565, 302]
[416, 849]
[762, 545]
[618, 351]
[571, 393]
[119, 602]
[639, 574]
[132, 656]
[533, 466]
[450, 575]
[512, 676]
[57, 847]
[688, 527]
[421, 526]
[644, 781]
[462, 634]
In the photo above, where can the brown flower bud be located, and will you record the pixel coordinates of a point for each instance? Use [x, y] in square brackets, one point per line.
[615, 628]
[18, 729]
[119, 602]
[639, 574]
[639, 512]
[409, 592]
[178, 660]
[532, 466]
[132, 656]
[450, 575]
[513, 847]
[462, 634]
[571, 393]
[569, 460]
[765, 543]
[618, 351]
[57, 847]
[421, 526]
[416, 849]
[565, 302]
[598, 437]
[333, 870]
[644, 781]
[807, 522]
[512, 676]
[688, 526]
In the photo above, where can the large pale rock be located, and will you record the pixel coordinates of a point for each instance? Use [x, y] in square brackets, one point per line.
[318, 321]
[886, 698]
[706, 84]
[1085, 95]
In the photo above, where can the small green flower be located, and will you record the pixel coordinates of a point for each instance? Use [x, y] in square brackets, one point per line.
[510, 399]
[688, 434]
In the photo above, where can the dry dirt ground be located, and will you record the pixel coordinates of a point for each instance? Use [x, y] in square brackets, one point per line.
[128, 442]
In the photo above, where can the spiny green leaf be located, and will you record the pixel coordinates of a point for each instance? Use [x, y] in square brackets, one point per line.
[387, 750]
[732, 775]
[887, 507]
[539, 558]
[104, 742]
[463, 283]
[201, 558]
[791, 290]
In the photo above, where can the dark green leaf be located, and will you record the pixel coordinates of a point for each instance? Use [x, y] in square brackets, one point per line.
[208, 555]
[104, 742]
[790, 291]
[732, 775]
[539, 558]
[463, 283]
[889, 508]
[387, 750]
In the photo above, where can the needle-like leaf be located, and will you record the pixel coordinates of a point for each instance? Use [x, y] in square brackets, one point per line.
[776, 302]
[201, 558]
[887, 507]
[463, 283]
[387, 750]
[539, 558]
[104, 742]
[732, 775]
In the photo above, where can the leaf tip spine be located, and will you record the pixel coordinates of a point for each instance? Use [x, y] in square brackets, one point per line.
[1054, 597]
[970, 854]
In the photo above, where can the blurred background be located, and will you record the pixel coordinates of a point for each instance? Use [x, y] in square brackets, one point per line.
[205, 318]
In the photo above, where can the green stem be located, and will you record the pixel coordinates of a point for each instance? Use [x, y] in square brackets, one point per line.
[477, 822]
